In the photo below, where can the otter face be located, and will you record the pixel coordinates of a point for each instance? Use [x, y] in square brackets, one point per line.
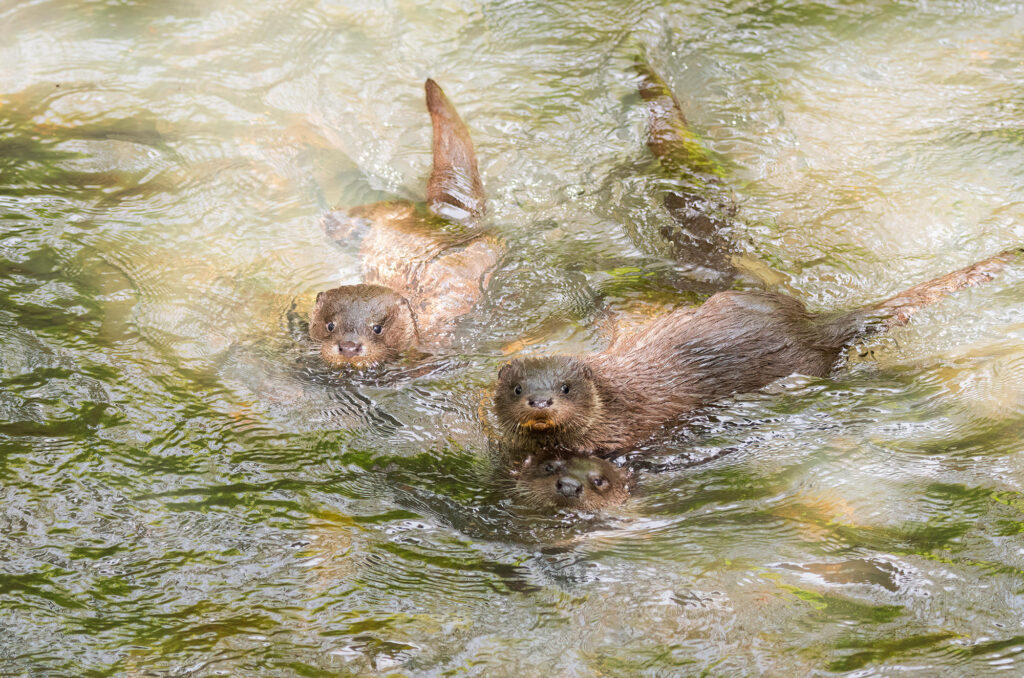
[551, 401]
[578, 482]
[361, 325]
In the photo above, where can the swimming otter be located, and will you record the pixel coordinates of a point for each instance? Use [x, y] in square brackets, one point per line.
[422, 267]
[701, 208]
[572, 481]
[735, 342]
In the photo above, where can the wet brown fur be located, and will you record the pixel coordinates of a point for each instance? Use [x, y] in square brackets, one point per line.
[735, 342]
[422, 268]
[702, 215]
[573, 482]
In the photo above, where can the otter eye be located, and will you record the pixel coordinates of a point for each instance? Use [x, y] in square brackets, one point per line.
[518, 390]
[330, 327]
[599, 482]
[550, 467]
[565, 388]
[377, 329]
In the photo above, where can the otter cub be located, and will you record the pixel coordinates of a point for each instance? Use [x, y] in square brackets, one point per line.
[734, 342]
[423, 266]
[572, 481]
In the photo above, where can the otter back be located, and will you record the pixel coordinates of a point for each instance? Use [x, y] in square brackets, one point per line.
[442, 273]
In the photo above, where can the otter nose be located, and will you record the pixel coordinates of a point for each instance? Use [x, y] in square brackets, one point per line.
[568, 487]
[349, 348]
[540, 402]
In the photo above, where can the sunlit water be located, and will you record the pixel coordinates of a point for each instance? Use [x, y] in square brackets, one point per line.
[184, 491]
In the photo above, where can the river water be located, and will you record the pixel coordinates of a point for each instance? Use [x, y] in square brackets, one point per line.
[185, 492]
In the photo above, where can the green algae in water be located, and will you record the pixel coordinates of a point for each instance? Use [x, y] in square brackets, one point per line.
[182, 490]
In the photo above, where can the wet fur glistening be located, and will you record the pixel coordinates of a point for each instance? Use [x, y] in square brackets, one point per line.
[423, 266]
[735, 342]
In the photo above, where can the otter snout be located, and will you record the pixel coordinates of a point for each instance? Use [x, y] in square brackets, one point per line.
[569, 487]
[350, 349]
[540, 402]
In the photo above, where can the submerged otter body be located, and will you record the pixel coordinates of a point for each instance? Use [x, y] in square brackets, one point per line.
[735, 342]
[423, 266]
[700, 207]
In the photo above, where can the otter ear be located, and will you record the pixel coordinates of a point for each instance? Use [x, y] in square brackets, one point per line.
[586, 372]
[319, 298]
[413, 328]
[505, 373]
[401, 308]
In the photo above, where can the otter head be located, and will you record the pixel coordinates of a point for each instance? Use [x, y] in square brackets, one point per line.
[550, 402]
[572, 481]
[361, 325]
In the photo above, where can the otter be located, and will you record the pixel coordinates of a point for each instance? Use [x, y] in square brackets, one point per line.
[572, 481]
[701, 208]
[423, 266]
[610, 401]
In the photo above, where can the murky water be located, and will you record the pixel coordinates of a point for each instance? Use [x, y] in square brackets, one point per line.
[183, 491]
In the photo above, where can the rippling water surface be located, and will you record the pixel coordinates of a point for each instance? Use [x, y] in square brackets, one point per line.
[184, 491]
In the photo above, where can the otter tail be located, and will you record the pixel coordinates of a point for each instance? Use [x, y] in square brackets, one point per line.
[454, 190]
[899, 309]
[668, 135]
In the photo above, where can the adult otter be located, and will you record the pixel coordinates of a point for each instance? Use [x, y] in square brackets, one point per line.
[571, 481]
[422, 267]
[700, 206]
[735, 342]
